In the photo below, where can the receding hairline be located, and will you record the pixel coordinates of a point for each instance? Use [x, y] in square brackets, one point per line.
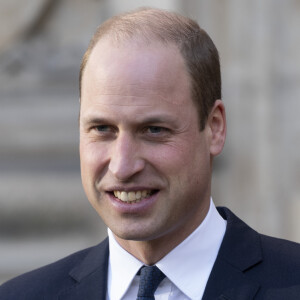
[150, 23]
[138, 42]
[143, 25]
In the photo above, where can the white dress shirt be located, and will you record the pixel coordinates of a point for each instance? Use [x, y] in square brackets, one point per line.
[187, 267]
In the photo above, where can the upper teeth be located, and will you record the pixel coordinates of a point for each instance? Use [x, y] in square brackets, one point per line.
[131, 196]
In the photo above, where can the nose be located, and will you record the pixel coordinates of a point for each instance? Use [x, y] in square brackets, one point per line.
[125, 159]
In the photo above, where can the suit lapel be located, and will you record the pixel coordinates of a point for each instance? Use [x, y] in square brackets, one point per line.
[90, 276]
[240, 251]
[228, 283]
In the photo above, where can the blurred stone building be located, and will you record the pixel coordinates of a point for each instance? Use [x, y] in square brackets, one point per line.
[44, 214]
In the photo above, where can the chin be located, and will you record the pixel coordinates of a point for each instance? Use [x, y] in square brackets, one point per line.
[134, 235]
[130, 236]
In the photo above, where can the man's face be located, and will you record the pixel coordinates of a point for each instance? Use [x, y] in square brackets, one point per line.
[145, 165]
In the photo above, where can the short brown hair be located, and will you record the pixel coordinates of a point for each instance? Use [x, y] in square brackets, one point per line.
[198, 50]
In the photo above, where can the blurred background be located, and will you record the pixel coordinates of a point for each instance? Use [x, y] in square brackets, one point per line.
[44, 214]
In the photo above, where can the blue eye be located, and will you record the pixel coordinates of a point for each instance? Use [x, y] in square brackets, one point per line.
[155, 129]
[102, 128]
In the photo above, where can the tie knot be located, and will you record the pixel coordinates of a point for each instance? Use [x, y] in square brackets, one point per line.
[150, 278]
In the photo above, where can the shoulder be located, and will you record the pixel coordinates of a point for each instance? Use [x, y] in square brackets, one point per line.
[282, 254]
[279, 271]
[47, 280]
[276, 260]
[249, 263]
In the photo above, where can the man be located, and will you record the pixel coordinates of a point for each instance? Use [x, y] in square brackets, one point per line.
[151, 122]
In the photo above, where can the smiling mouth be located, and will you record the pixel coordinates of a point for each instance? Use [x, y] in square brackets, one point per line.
[133, 196]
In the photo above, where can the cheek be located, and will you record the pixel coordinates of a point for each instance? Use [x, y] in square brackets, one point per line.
[175, 155]
[170, 161]
[186, 163]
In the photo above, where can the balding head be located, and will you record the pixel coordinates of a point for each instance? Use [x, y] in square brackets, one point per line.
[147, 25]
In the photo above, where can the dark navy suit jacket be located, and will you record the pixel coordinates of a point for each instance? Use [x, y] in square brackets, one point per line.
[248, 266]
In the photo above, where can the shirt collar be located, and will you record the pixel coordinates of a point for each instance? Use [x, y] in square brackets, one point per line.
[121, 269]
[193, 258]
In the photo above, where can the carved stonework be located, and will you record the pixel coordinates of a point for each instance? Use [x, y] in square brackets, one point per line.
[17, 17]
[41, 45]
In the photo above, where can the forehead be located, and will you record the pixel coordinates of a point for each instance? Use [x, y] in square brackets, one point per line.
[140, 73]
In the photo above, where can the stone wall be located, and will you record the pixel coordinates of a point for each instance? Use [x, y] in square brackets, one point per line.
[44, 214]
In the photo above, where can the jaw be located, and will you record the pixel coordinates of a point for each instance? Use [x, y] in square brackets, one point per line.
[150, 240]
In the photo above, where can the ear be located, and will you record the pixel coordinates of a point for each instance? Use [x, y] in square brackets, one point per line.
[216, 124]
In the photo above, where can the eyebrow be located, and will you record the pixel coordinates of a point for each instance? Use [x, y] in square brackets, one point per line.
[160, 118]
[94, 120]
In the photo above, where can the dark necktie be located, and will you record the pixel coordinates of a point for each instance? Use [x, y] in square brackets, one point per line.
[150, 278]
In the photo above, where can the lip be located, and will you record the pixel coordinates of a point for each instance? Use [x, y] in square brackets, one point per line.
[138, 208]
[129, 189]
